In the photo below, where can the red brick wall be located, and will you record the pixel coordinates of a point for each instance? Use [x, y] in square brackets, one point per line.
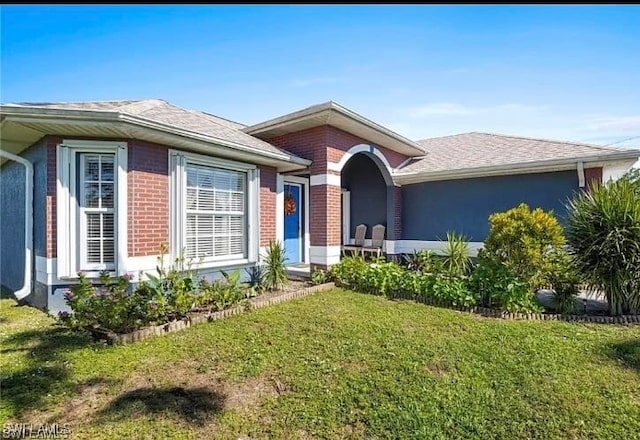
[339, 142]
[267, 204]
[592, 175]
[148, 197]
[326, 144]
[326, 222]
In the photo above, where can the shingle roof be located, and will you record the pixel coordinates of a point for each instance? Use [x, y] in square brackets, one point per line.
[158, 110]
[475, 150]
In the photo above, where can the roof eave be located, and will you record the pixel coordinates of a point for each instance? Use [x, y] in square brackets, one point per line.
[18, 113]
[517, 168]
[327, 113]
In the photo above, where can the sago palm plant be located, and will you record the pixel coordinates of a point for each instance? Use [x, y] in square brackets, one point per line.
[603, 233]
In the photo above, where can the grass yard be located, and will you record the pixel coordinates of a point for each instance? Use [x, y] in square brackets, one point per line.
[332, 365]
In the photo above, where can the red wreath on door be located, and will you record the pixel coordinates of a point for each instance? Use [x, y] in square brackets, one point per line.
[289, 204]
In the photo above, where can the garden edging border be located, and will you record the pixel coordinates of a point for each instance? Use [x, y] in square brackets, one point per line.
[497, 313]
[181, 324]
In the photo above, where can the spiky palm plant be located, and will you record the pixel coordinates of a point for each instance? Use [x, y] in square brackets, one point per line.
[603, 233]
[275, 271]
[457, 261]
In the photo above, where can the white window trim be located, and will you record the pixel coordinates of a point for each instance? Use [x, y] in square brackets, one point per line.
[177, 162]
[68, 248]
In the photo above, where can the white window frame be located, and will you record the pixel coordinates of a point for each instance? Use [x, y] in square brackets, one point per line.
[70, 247]
[178, 161]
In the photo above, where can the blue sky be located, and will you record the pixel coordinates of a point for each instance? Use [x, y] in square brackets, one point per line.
[568, 72]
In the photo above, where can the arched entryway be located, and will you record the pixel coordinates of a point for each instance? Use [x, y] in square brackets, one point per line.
[367, 195]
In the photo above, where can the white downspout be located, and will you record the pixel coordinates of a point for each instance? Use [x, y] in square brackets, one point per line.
[28, 222]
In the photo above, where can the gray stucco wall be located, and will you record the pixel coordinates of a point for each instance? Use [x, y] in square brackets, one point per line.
[430, 209]
[12, 195]
[363, 179]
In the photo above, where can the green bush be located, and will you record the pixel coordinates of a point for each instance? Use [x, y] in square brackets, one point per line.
[275, 276]
[604, 237]
[319, 276]
[391, 279]
[112, 306]
[495, 285]
[116, 306]
[524, 239]
[565, 282]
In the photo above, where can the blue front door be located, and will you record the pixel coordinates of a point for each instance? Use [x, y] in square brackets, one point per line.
[292, 223]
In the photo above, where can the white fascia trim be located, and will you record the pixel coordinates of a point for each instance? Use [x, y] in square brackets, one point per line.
[409, 246]
[325, 179]
[280, 213]
[520, 168]
[279, 208]
[324, 255]
[360, 148]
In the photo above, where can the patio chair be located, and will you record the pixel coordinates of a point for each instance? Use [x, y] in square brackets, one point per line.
[361, 231]
[377, 239]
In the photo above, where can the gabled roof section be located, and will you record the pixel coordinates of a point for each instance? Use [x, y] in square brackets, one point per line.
[333, 114]
[154, 120]
[486, 152]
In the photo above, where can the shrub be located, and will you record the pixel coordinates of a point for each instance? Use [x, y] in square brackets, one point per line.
[318, 276]
[523, 239]
[453, 291]
[565, 282]
[256, 278]
[496, 285]
[349, 272]
[112, 306]
[604, 237]
[275, 269]
[223, 293]
[456, 261]
[423, 261]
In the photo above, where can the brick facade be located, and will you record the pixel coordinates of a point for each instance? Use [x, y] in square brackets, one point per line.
[592, 175]
[148, 197]
[267, 204]
[326, 144]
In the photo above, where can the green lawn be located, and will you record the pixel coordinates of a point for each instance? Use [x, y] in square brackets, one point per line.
[332, 365]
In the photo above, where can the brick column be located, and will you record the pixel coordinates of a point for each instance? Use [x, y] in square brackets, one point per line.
[325, 220]
[592, 176]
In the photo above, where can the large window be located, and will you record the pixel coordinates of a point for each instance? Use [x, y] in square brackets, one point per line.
[91, 200]
[214, 209]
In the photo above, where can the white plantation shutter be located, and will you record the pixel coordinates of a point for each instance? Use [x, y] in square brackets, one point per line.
[215, 223]
[97, 185]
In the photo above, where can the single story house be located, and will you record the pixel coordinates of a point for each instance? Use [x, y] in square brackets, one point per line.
[93, 186]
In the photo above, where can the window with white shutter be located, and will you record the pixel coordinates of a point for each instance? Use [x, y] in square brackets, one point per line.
[214, 210]
[91, 207]
[97, 187]
[215, 213]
